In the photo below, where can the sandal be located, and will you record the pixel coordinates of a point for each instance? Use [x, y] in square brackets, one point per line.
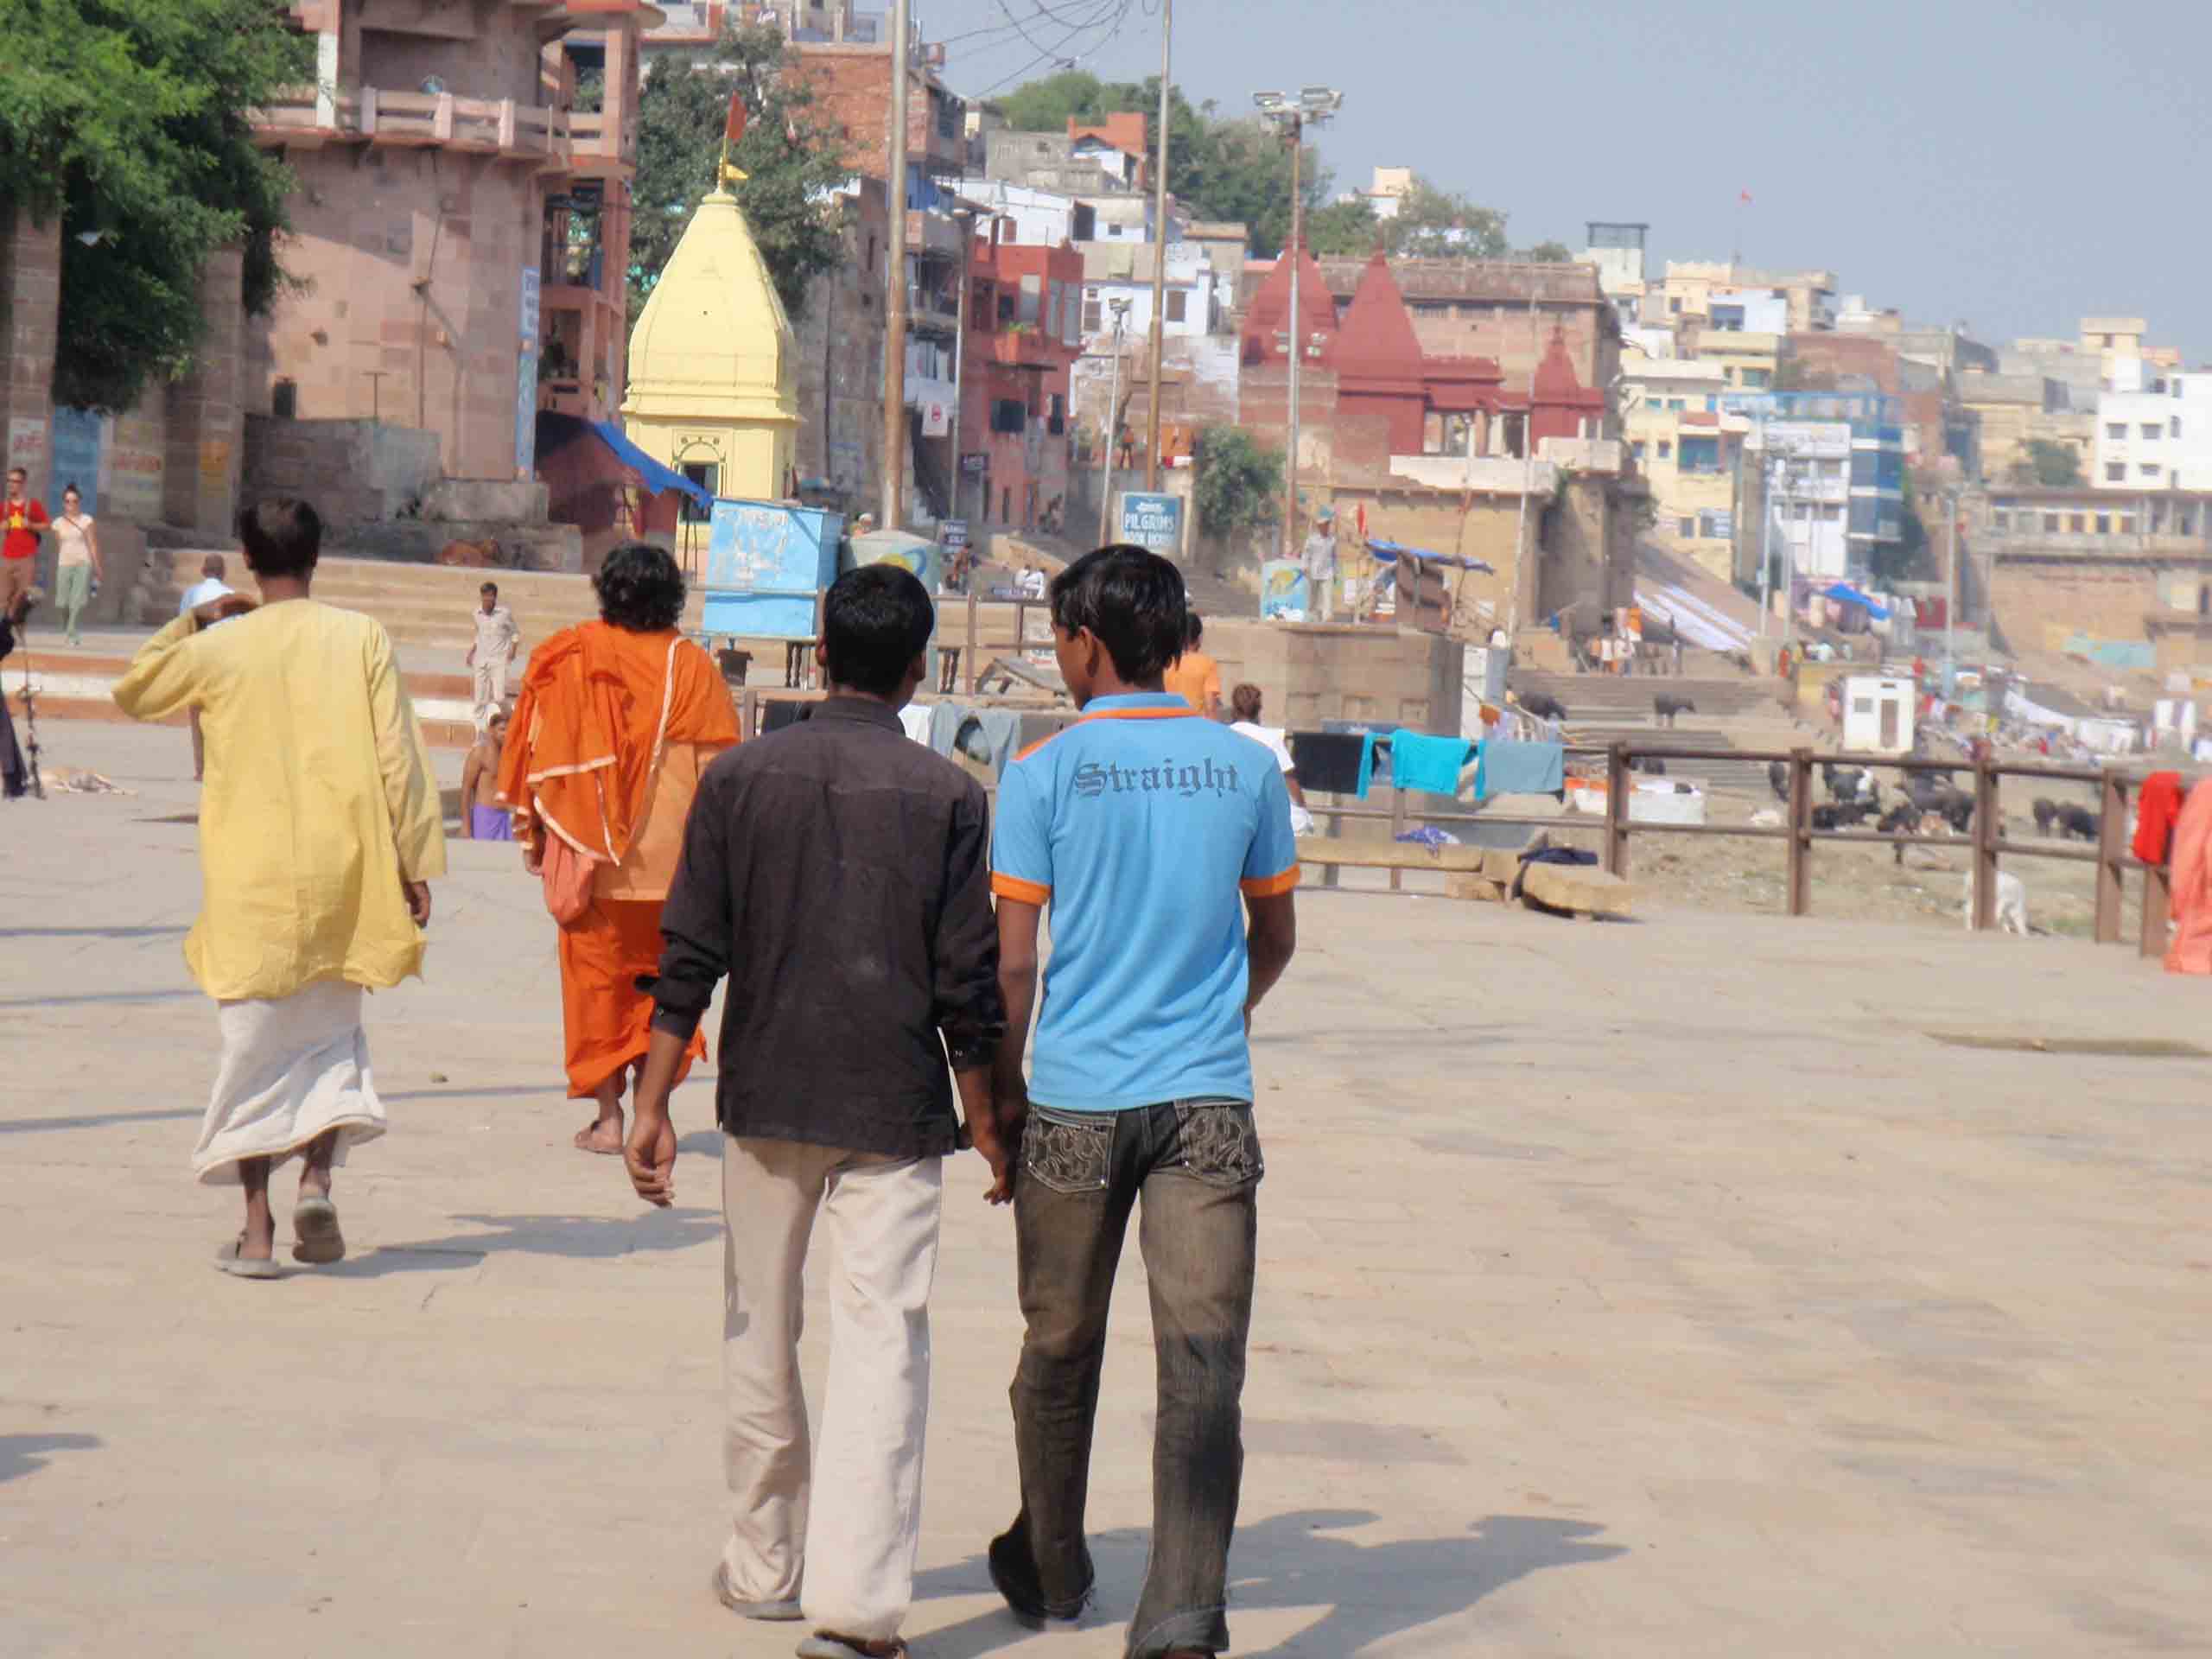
[315, 1224]
[228, 1260]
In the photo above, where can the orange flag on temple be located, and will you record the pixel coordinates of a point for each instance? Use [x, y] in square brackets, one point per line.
[734, 130]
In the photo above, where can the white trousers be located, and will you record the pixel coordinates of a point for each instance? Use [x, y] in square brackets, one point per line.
[840, 1534]
[490, 690]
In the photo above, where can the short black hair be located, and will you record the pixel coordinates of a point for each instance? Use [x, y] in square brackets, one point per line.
[876, 621]
[640, 589]
[1133, 600]
[1193, 630]
[491, 587]
[282, 536]
[70, 489]
[17, 472]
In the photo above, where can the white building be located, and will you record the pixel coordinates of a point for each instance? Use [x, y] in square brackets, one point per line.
[1037, 219]
[1806, 467]
[2154, 429]
[1114, 271]
[1748, 310]
[1391, 186]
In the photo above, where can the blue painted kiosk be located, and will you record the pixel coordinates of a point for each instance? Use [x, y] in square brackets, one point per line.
[768, 563]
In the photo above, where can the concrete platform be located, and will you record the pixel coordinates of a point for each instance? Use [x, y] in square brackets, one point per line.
[1699, 1285]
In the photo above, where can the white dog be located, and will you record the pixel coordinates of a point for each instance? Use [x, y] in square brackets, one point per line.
[2012, 902]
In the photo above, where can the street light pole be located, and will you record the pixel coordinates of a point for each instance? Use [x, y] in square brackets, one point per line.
[1158, 252]
[894, 333]
[1297, 338]
[1290, 114]
[1113, 422]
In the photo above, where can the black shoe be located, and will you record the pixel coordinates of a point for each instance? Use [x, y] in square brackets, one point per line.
[1014, 1574]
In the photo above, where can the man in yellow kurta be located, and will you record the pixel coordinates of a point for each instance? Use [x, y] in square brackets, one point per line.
[320, 828]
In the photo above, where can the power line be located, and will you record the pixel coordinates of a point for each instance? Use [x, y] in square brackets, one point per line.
[1058, 53]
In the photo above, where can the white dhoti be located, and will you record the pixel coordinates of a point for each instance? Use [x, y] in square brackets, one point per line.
[294, 1068]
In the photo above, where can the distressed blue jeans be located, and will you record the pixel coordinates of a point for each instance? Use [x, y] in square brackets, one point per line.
[1196, 1165]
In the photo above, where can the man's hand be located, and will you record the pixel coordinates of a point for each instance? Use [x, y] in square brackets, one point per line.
[999, 1153]
[224, 605]
[418, 901]
[650, 1154]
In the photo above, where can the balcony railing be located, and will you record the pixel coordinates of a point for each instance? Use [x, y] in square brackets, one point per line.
[561, 138]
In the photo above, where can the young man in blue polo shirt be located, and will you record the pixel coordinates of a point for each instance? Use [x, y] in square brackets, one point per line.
[1153, 834]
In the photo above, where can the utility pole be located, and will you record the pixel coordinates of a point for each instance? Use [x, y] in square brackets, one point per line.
[1951, 602]
[1316, 104]
[1766, 541]
[1158, 251]
[894, 310]
[1113, 424]
[1528, 474]
[963, 216]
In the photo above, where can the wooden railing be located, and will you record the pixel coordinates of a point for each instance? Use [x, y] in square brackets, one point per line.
[1985, 841]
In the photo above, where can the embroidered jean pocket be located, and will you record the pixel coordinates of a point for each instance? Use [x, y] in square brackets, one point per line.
[1217, 1141]
[1067, 1155]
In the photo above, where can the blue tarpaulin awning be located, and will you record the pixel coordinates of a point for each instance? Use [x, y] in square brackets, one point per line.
[1850, 595]
[655, 477]
[1389, 552]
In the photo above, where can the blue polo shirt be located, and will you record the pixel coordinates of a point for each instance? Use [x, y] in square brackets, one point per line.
[1140, 825]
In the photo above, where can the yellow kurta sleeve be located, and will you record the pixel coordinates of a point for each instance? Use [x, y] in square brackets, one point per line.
[411, 787]
[162, 677]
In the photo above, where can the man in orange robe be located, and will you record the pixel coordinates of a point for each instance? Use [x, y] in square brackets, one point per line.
[614, 723]
[2191, 949]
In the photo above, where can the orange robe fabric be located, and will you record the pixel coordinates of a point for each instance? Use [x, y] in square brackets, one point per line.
[611, 731]
[2191, 950]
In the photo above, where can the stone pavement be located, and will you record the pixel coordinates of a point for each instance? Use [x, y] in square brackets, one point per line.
[1655, 1289]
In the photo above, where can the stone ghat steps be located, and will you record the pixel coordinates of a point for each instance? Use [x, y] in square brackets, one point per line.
[1603, 696]
[1749, 776]
[427, 606]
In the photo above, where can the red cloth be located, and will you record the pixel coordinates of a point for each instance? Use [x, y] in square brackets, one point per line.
[25, 519]
[2156, 811]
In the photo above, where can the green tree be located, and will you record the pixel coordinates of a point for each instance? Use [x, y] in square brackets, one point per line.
[1439, 223]
[1238, 487]
[129, 119]
[1348, 227]
[791, 157]
[2048, 462]
[1550, 253]
[1047, 105]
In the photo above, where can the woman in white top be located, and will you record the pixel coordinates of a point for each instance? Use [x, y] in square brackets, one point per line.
[76, 562]
[1244, 704]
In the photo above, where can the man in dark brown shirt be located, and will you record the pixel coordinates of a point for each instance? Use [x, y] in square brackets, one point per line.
[839, 873]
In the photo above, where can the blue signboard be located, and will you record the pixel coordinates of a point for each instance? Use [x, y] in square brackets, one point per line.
[765, 563]
[76, 450]
[529, 323]
[1283, 588]
[1153, 519]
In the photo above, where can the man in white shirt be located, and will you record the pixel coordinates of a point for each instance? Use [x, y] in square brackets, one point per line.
[211, 585]
[498, 640]
[1320, 562]
[1244, 704]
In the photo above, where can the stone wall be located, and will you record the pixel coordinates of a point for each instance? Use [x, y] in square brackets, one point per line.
[30, 310]
[414, 261]
[838, 358]
[354, 471]
[1308, 673]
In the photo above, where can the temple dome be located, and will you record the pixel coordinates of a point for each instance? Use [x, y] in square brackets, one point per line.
[713, 342]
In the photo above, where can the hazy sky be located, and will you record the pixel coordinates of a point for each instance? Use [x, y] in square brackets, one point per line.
[2014, 164]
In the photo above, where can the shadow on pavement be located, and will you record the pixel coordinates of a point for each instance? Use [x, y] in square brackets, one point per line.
[21, 1453]
[95, 1120]
[580, 1237]
[1366, 1593]
[176, 932]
